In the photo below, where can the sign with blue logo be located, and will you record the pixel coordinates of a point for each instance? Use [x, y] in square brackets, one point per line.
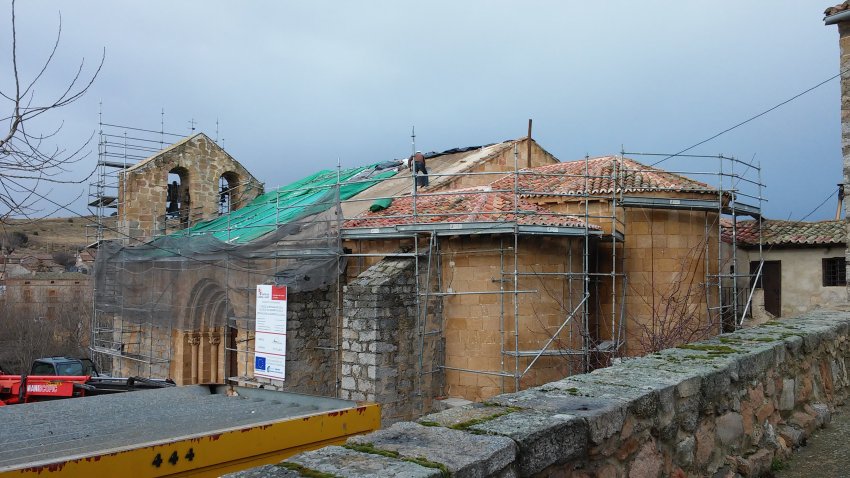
[270, 332]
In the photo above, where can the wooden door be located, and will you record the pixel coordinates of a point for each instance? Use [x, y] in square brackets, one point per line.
[772, 285]
[771, 282]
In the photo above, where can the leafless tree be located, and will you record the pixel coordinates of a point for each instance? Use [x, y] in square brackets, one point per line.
[12, 241]
[29, 161]
[677, 306]
[27, 333]
[64, 259]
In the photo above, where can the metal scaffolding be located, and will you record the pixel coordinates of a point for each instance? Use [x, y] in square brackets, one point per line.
[119, 147]
[740, 192]
[586, 292]
[578, 338]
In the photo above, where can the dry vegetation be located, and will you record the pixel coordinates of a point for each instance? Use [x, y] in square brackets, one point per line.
[52, 234]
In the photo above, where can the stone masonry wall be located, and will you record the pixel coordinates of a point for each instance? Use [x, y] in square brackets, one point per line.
[311, 361]
[844, 63]
[729, 406]
[380, 344]
[143, 187]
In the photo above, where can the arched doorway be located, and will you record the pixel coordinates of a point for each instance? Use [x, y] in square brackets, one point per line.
[205, 348]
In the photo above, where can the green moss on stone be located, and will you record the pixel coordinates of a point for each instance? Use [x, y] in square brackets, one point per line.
[712, 349]
[370, 448]
[422, 461]
[304, 471]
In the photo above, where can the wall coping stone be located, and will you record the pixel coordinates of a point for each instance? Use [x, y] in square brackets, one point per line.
[467, 454]
[579, 419]
[339, 461]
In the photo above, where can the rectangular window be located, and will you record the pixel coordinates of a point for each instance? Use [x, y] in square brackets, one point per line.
[834, 272]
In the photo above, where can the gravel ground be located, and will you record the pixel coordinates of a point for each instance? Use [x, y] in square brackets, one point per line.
[826, 453]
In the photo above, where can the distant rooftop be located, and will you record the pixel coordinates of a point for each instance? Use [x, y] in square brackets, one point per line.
[51, 276]
[786, 233]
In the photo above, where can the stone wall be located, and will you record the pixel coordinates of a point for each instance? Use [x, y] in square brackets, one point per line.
[729, 406]
[844, 63]
[48, 294]
[381, 347]
[196, 324]
[312, 362]
[801, 277]
[481, 320]
[200, 163]
[669, 256]
[499, 163]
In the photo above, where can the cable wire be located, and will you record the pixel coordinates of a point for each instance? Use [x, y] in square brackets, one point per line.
[752, 118]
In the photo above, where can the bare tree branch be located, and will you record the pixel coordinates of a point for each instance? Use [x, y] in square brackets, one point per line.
[26, 159]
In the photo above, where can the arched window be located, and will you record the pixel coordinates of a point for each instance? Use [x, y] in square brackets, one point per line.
[228, 187]
[177, 197]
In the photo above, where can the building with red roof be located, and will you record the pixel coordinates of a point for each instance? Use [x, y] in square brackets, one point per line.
[803, 269]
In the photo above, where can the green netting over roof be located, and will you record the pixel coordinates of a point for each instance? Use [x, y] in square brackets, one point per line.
[283, 205]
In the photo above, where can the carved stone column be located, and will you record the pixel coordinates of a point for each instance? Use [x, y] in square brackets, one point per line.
[195, 341]
[215, 340]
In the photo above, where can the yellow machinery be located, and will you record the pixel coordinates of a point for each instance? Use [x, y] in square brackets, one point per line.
[195, 430]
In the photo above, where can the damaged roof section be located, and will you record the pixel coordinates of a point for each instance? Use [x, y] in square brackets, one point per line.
[317, 193]
[785, 233]
[599, 176]
[310, 195]
[481, 204]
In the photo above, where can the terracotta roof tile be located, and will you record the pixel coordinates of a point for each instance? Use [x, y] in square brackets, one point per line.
[481, 204]
[777, 233]
[836, 9]
[569, 178]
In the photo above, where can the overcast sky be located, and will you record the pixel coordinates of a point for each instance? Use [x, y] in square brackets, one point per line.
[297, 85]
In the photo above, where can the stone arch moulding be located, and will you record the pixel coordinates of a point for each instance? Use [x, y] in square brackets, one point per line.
[202, 332]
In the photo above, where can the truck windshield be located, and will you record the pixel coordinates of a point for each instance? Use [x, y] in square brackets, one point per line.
[69, 368]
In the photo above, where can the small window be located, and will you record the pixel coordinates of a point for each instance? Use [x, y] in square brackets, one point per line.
[41, 368]
[834, 272]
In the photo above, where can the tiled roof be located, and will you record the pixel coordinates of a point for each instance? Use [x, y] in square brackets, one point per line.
[52, 276]
[480, 204]
[777, 233]
[836, 9]
[569, 178]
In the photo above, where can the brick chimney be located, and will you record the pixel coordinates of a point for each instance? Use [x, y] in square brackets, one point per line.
[840, 15]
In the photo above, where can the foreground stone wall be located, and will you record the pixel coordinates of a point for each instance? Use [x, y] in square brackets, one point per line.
[729, 406]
